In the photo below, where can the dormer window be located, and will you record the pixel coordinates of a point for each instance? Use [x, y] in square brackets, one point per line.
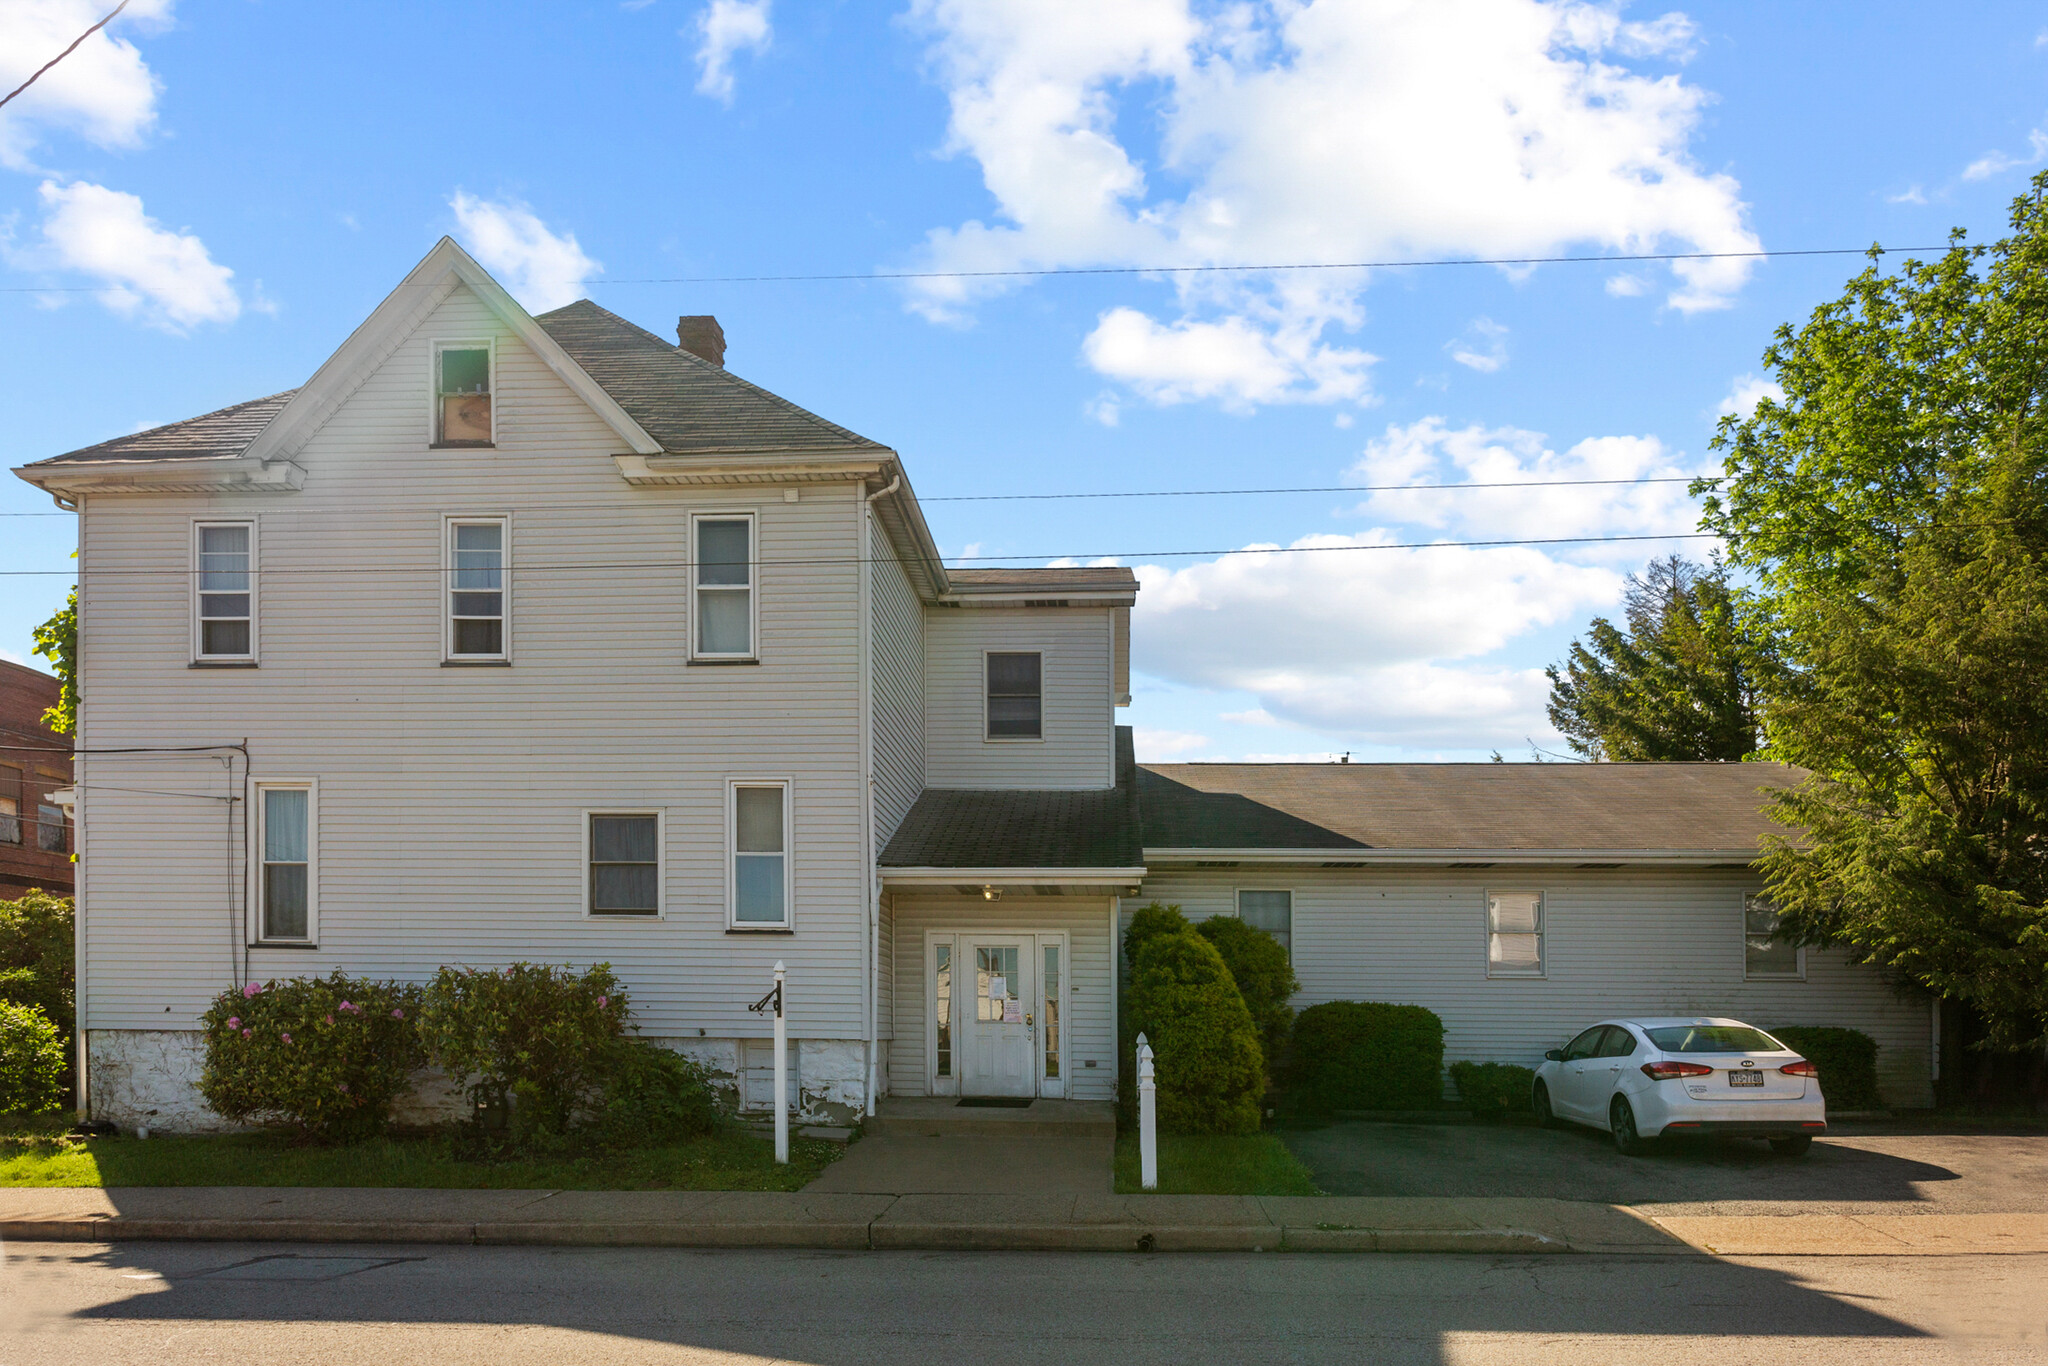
[462, 394]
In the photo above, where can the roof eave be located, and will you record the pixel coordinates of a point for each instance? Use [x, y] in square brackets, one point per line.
[1366, 854]
[210, 474]
[1050, 877]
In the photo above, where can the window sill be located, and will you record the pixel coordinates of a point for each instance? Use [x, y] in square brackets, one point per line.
[1516, 976]
[280, 944]
[476, 663]
[1775, 977]
[765, 929]
[222, 664]
[718, 663]
[649, 916]
[1013, 739]
[462, 446]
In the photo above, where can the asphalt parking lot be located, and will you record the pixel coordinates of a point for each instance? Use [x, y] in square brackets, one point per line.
[1855, 1169]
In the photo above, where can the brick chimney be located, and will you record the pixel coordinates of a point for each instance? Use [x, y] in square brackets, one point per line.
[701, 336]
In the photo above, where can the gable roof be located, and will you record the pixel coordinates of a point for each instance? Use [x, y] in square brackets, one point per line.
[685, 402]
[222, 434]
[1036, 829]
[1533, 808]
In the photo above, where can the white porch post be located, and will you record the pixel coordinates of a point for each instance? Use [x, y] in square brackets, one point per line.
[781, 1074]
[1148, 1120]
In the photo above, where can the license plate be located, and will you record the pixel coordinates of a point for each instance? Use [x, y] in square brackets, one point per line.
[1745, 1079]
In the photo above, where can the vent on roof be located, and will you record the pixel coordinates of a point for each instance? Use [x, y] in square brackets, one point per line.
[701, 336]
[1045, 602]
[1216, 863]
[1599, 865]
[1471, 865]
[1343, 865]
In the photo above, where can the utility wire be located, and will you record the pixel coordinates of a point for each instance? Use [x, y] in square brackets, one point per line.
[65, 53]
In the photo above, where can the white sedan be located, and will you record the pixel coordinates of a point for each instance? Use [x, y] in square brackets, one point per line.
[1644, 1079]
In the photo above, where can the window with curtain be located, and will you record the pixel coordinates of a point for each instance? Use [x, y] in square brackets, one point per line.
[1272, 912]
[724, 576]
[760, 855]
[476, 589]
[625, 864]
[1016, 702]
[227, 590]
[1514, 934]
[287, 844]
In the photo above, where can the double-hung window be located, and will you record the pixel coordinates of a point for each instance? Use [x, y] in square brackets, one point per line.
[462, 394]
[1272, 912]
[722, 585]
[1765, 956]
[1015, 702]
[759, 821]
[286, 889]
[224, 605]
[477, 590]
[1514, 934]
[623, 851]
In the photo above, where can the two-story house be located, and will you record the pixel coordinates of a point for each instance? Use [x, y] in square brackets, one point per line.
[546, 638]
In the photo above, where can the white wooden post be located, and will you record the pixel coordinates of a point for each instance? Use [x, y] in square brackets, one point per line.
[781, 1074]
[1148, 1120]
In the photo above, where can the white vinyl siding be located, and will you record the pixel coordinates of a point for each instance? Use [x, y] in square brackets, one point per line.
[1620, 942]
[1079, 716]
[449, 796]
[722, 580]
[286, 863]
[897, 659]
[224, 591]
[479, 568]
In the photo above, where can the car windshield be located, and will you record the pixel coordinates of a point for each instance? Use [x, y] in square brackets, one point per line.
[1714, 1039]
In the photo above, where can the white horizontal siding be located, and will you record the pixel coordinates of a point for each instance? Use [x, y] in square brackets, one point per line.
[897, 658]
[450, 798]
[1078, 750]
[1616, 942]
[1091, 1027]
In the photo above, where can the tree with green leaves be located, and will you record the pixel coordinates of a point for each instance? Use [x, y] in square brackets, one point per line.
[1892, 509]
[1675, 681]
[57, 641]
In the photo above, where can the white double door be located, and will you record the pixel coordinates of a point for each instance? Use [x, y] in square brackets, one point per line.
[1005, 1012]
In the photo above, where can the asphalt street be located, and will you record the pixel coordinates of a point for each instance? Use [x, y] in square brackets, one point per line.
[191, 1302]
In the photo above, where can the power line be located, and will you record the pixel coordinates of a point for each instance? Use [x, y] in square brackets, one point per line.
[1313, 488]
[955, 561]
[65, 53]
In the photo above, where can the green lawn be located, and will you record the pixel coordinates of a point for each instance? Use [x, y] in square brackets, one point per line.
[1214, 1164]
[733, 1159]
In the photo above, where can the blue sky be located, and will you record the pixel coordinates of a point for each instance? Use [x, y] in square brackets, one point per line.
[200, 204]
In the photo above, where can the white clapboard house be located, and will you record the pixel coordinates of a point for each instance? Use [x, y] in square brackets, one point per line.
[511, 637]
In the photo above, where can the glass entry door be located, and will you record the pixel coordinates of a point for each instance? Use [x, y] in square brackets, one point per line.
[998, 1021]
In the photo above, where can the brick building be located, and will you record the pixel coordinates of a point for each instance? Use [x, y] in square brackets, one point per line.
[35, 838]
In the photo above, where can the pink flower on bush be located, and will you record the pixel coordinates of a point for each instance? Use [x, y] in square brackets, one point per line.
[248, 1033]
[397, 1014]
[601, 1001]
[234, 1022]
[330, 1019]
[251, 991]
[346, 1006]
[287, 1038]
[342, 1087]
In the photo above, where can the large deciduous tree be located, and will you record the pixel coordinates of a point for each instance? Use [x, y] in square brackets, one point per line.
[1674, 681]
[1893, 510]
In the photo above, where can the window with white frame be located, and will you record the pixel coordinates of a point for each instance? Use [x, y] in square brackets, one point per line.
[476, 588]
[760, 855]
[1764, 954]
[624, 854]
[1272, 912]
[52, 835]
[224, 607]
[285, 861]
[462, 394]
[1514, 934]
[722, 581]
[1015, 705]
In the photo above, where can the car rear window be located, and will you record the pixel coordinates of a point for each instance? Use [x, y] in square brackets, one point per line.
[1714, 1039]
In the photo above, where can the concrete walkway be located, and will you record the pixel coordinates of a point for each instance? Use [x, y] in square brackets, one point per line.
[936, 1146]
[978, 1222]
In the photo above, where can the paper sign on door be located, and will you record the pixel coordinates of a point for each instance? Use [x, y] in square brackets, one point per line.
[1013, 1012]
[998, 988]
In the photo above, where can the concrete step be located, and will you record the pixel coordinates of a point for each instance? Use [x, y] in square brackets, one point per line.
[926, 1115]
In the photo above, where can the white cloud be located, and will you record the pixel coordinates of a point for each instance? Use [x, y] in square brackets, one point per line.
[1484, 347]
[1462, 127]
[1257, 716]
[1366, 642]
[103, 92]
[1912, 194]
[541, 269]
[161, 275]
[1105, 408]
[1997, 163]
[1160, 746]
[1430, 451]
[1745, 393]
[728, 28]
[1627, 286]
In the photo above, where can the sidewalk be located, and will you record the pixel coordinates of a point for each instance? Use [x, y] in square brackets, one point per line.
[1092, 1223]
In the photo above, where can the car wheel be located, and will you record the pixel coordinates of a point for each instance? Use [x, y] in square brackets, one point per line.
[1622, 1120]
[1540, 1103]
[1792, 1145]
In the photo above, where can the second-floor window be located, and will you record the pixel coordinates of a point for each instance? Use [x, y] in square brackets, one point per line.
[226, 599]
[462, 394]
[476, 588]
[722, 582]
[1015, 705]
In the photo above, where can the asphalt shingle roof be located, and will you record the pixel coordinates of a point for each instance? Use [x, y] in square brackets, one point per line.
[954, 828]
[683, 401]
[1071, 579]
[219, 435]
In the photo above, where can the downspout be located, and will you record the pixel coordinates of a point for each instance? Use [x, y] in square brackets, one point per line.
[871, 940]
[78, 801]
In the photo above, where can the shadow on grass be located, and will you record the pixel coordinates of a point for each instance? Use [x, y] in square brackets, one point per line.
[1216, 1164]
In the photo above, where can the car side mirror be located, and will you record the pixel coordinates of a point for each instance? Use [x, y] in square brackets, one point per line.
[1554, 1054]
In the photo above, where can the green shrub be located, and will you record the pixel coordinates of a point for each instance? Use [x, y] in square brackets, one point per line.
[36, 947]
[1493, 1089]
[1364, 1055]
[1265, 979]
[653, 1095]
[1847, 1059]
[531, 1040]
[1210, 1075]
[31, 1061]
[324, 1055]
[1147, 924]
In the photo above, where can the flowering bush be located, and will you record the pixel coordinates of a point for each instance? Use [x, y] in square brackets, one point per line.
[31, 1061]
[537, 1037]
[326, 1055]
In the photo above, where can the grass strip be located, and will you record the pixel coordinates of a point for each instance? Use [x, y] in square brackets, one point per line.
[1216, 1164]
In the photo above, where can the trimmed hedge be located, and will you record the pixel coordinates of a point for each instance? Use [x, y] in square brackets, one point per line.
[31, 1061]
[324, 1055]
[1211, 1074]
[1264, 977]
[1147, 924]
[653, 1095]
[36, 946]
[536, 1041]
[1493, 1089]
[1847, 1059]
[1366, 1055]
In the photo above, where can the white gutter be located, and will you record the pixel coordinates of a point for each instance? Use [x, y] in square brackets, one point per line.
[871, 945]
[1346, 858]
[1044, 877]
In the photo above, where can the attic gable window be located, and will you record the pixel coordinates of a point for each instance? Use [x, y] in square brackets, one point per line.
[462, 394]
